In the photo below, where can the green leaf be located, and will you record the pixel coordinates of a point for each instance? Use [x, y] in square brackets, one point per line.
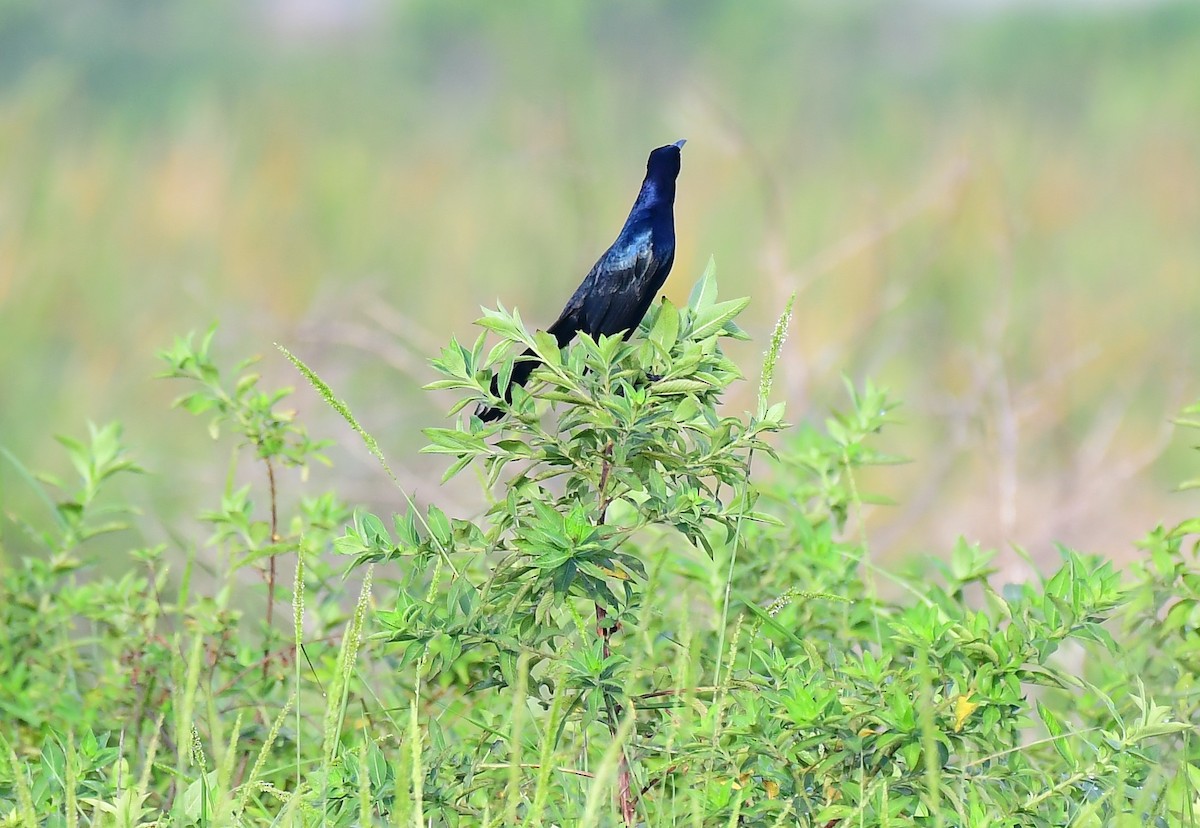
[547, 348]
[1187, 527]
[1179, 615]
[501, 323]
[610, 346]
[453, 441]
[704, 292]
[678, 386]
[666, 327]
[78, 454]
[711, 321]
[439, 526]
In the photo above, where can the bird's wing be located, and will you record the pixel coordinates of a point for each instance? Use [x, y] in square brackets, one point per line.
[621, 303]
[611, 293]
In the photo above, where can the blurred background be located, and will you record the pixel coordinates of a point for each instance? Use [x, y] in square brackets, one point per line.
[993, 208]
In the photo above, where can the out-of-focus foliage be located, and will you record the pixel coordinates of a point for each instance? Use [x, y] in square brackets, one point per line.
[660, 621]
[993, 210]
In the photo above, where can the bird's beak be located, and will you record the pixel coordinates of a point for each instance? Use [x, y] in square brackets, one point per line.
[680, 143]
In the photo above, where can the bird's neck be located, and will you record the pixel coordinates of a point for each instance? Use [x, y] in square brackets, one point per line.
[654, 193]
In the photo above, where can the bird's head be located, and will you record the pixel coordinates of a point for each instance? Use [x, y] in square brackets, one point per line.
[664, 161]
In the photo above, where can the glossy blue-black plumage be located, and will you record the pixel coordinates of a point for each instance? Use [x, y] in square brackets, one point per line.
[617, 291]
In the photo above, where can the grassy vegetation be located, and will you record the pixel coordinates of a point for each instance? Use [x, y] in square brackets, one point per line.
[661, 619]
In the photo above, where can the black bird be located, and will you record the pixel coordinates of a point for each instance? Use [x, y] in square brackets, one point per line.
[619, 288]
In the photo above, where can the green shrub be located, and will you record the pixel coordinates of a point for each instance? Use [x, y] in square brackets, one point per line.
[665, 614]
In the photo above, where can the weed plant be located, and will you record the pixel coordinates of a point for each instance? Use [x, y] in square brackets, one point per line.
[663, 614]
